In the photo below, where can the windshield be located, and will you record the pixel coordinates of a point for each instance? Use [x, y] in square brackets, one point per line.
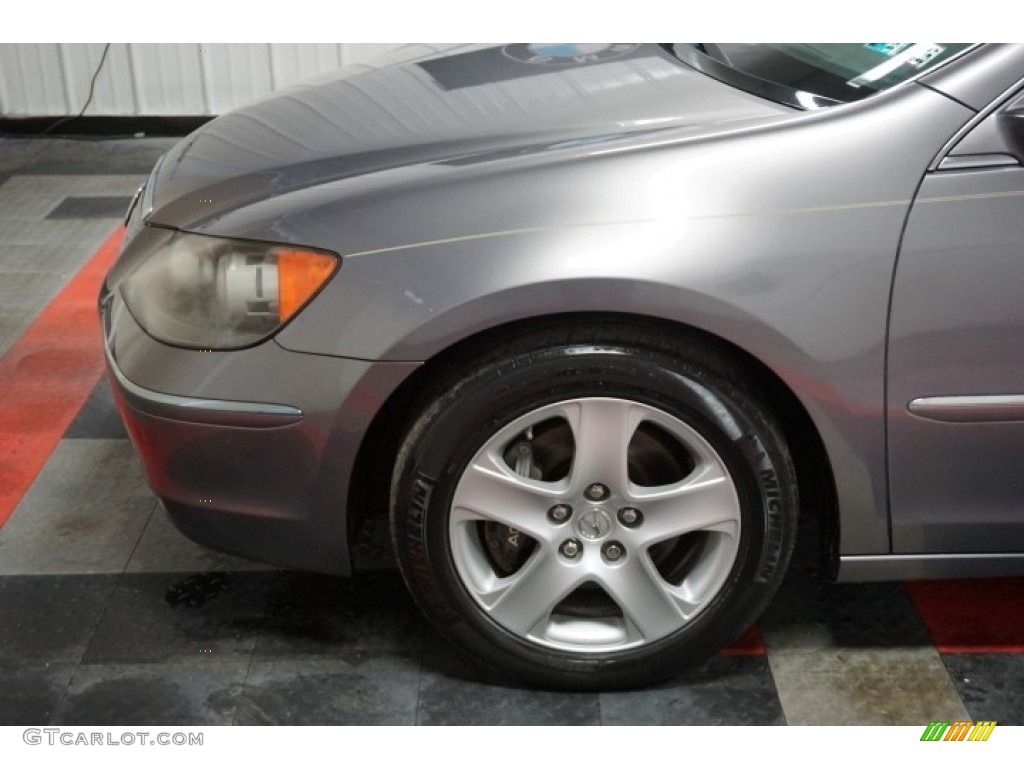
[812, 75]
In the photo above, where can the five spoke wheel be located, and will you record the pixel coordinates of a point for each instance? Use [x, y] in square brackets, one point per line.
[617, 532]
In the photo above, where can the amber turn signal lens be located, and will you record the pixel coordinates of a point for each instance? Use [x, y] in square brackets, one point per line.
[299, 275]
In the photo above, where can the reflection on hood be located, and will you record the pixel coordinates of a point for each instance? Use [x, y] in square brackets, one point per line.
[421, 104]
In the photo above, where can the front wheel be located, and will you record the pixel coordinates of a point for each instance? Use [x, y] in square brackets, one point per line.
[594, 514]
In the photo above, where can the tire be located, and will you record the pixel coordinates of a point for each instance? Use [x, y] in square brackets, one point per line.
[592, 596]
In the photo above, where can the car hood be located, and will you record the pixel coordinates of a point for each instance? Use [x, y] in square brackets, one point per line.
[423, 105]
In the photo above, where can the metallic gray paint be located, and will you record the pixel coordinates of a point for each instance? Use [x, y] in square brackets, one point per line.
[957, 330]
[376, 120]
[668, 234]
[206, 410]
[634, 186]
[978, 77]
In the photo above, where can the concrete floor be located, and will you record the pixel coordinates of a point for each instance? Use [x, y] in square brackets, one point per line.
[110, 617]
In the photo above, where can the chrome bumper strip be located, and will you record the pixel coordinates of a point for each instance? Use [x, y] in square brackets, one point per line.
[969, 408]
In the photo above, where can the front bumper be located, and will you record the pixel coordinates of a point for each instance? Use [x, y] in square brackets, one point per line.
[256, 456]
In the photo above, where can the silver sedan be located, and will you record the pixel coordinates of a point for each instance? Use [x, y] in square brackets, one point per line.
[585, 330]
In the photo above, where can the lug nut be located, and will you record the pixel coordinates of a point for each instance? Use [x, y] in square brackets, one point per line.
[613, 551]
[559, 513]
[630, 517]
[570, 548]
[596, 492]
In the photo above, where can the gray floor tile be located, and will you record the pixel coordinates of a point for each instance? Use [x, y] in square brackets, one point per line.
[888, 687]
[29, 292]
[59, 186]
[105, 207]
[728, 690]
[152, 695]
[362, 688]
[66, 232]
[84, 513]
[164, 549]
[64, 260]
[50, 618]
[29, 693]
[990, 684]
[311, 615]
[166, 618]
[21, 203]
[457, 691]
[13, 323]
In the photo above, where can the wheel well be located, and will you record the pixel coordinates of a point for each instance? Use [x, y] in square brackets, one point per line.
[369, 496]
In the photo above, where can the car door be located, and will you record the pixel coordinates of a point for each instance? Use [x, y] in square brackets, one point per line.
[955, 399]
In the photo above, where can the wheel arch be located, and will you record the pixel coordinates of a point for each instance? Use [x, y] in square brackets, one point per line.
[368, 499]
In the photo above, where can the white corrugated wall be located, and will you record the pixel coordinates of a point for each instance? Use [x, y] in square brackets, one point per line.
[38, 79]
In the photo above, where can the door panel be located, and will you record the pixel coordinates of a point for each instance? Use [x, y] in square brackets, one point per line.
[956, 468]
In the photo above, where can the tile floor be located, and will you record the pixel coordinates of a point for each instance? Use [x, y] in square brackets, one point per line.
[108, 616]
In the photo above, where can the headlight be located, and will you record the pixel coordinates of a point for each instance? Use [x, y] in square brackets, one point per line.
[215, 293]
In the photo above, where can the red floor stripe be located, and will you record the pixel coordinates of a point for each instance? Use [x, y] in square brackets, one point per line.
[748, 644]
[47, 374]
[973, 615]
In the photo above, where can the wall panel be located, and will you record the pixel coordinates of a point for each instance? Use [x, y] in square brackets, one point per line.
[39, 79]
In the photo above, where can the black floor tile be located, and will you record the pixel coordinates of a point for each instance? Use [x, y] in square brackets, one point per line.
[152, 695]
[811, 612]
[361, 688]
[170, 617]
[90, 208]
[455, 690]
[991, 685]
[30, 692]
[98, 418]
[728, 690]
[309, 615]
[50, 618]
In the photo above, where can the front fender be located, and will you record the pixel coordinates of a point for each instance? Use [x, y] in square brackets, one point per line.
[780, 239]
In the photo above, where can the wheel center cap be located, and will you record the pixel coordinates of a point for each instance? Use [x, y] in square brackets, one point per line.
[593, 524]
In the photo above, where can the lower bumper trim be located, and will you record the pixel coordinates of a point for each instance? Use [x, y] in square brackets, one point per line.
[861, 568]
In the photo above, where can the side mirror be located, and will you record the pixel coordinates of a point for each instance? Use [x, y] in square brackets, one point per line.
[997, 141]
[1011, 126]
